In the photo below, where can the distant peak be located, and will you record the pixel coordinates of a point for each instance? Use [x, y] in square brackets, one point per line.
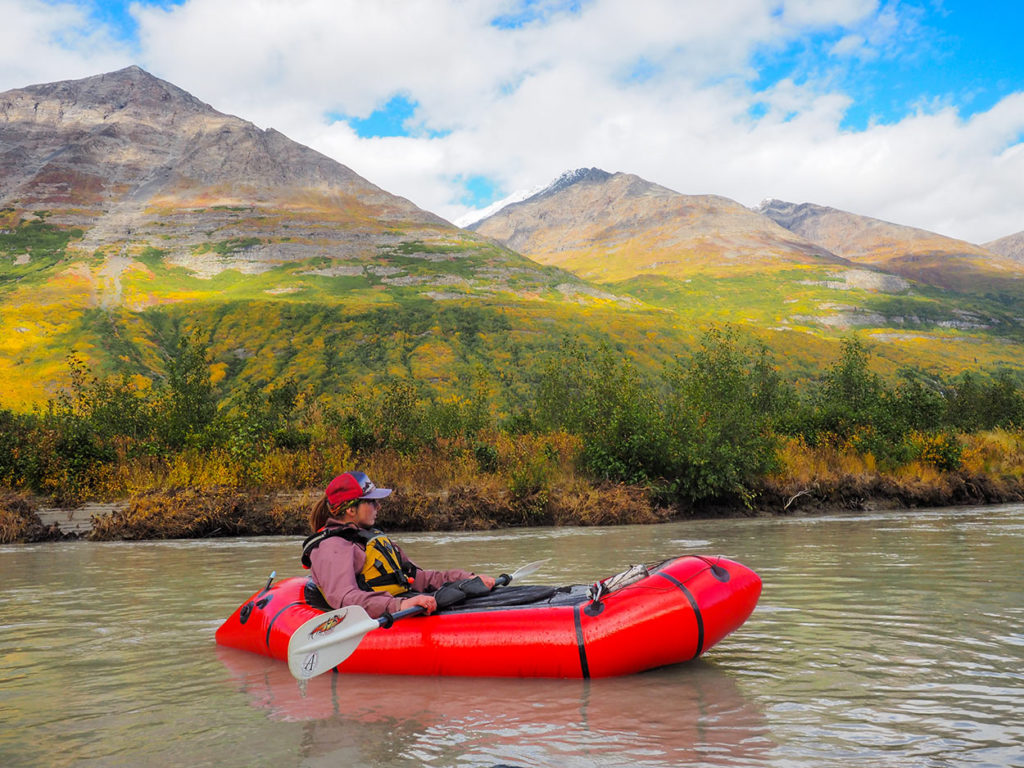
[774, 204]
[130, 85]
[134, 70]
[569, 178]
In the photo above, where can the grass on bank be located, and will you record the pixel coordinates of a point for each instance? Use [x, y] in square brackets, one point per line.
[202, 495]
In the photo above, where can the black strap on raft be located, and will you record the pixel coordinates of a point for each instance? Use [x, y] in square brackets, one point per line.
[260, 601]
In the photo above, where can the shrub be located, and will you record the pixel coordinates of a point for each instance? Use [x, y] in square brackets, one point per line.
[941, 450]
[188, 404]
[486, 457]
[602, 397]
[720, 439]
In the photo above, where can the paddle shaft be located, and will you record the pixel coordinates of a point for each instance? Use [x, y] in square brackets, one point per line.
[390, 618]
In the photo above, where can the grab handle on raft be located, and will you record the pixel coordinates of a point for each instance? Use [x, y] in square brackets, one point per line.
[325, 641]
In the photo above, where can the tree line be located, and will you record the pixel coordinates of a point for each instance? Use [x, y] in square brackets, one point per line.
[707, 426]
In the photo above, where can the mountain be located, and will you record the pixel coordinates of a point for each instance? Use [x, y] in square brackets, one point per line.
[609, 227]
[798, 276]
[1011, 246]
[132, 212]
[132, 159]
[912, 253]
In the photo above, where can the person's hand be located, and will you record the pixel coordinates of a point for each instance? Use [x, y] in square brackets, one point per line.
[426, 602]
[487, 580]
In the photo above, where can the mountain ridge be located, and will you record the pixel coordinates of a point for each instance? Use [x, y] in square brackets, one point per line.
[910, 252]
[583, 214]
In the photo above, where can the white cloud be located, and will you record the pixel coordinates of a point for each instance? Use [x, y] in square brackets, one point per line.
[45, 42]
[850, 45]
[827, 12]
[661, 88]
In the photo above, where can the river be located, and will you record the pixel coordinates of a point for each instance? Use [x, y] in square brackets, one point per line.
[881, 639]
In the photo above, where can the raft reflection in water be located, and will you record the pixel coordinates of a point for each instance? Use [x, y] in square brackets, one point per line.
[665, 717]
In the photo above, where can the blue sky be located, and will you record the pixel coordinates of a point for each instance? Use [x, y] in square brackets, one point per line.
[893, 108]
[949, 52]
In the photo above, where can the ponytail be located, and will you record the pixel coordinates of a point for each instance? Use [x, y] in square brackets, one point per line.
[319, 514]
[322, 510]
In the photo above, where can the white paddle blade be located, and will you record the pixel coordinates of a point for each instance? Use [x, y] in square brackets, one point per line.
[325, 641]
[529, 568]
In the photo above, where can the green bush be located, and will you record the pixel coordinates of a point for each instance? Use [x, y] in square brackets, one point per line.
[853, 405]
[189, 404]
[601, 396]
[721, 439]
[486, 456]
[977, 402]
[698, 433]
[16, 448]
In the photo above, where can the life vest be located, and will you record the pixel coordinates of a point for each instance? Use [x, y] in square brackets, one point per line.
[384, 569]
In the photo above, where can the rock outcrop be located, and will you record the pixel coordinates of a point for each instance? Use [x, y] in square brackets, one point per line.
[1011, 246]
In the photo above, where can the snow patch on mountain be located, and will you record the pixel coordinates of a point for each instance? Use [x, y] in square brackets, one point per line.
[467, 220]
[567, 179]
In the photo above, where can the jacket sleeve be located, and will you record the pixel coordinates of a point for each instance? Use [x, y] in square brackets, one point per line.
[334, 565]
[428, 581]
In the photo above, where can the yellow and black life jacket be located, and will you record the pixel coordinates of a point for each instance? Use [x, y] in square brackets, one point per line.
[384, 569]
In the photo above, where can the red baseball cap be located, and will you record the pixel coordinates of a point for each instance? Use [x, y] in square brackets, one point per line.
[351, 486]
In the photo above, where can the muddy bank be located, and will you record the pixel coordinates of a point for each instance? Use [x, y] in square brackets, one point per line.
[854, 493]
[187, 513]
[20, 522]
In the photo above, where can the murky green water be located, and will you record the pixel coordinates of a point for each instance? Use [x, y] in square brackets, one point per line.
[880, 640]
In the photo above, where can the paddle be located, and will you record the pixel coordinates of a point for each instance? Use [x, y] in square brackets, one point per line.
[325, 641]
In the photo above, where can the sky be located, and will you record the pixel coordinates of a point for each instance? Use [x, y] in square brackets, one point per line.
[910, 111]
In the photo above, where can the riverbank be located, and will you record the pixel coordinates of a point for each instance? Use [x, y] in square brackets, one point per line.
[194, 513]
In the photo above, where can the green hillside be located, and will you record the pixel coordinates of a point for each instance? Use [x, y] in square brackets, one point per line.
[435, 311]
[796, 311]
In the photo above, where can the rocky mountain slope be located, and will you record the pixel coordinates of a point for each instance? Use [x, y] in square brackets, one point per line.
[131, 158]
[1011, 246]
[906, 251]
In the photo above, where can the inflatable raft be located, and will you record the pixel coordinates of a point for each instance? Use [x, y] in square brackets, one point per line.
[644, 617]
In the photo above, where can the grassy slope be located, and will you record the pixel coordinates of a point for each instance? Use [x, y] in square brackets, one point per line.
[443, 310]
[440, 311]
[797, 312]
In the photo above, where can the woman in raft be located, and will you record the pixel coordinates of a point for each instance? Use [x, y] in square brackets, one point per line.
[353, 563]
